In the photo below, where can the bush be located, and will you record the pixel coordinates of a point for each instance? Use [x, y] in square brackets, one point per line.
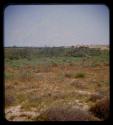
[95, 97]
[13, 53]
[101, 108]
[80, 75]
[73, 75]
[9, 76]
[66, 114]
[9, 100]
[17, 53]
[83, 52]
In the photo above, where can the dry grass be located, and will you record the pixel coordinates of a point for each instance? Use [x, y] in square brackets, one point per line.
[9, 100]
[40, 86]
[66, 114]
[95, 97]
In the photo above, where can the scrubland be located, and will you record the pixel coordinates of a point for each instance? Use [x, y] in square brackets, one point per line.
[56, 84]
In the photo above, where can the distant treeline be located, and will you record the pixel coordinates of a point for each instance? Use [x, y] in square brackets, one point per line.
[33, 52]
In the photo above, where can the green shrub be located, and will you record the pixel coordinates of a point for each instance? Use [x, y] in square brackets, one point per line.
[9, 76]
[73, 75]
[83, 52]
[13, 53]
[80, 75]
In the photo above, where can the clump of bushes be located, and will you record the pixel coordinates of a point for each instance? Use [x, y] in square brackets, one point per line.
[83, 51]
[80, 75]
[13, 53]
[17, 53]
[101, 108]
[73, 75]
[66, 114]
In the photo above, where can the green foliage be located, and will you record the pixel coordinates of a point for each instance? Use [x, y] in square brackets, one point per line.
[14, 53]
[8, 75]
[75, 75]
[17, 53]
[80, 75]
[19, 57]
[84, 52]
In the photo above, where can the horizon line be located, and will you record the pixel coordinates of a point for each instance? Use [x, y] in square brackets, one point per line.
[62, 45]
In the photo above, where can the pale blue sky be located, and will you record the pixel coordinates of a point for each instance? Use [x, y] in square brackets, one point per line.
[56, 25]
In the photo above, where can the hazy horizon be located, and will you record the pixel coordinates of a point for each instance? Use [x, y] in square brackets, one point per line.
[62, 46]
[56, 25]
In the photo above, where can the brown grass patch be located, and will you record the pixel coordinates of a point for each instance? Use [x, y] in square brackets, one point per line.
[66, 114]
[101, 108]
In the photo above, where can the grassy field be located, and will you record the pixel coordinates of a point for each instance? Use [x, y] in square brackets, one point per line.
[55, 83]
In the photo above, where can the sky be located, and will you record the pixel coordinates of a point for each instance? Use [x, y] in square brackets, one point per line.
[55, 25]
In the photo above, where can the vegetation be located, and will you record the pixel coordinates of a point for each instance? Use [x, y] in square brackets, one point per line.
[101, 108]
[84, 52]
[29, 52]
[73, 79]
[65, 114]
[80, 75]
[75, 75]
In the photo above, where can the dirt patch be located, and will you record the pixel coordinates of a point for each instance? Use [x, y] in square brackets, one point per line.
[16, 113]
